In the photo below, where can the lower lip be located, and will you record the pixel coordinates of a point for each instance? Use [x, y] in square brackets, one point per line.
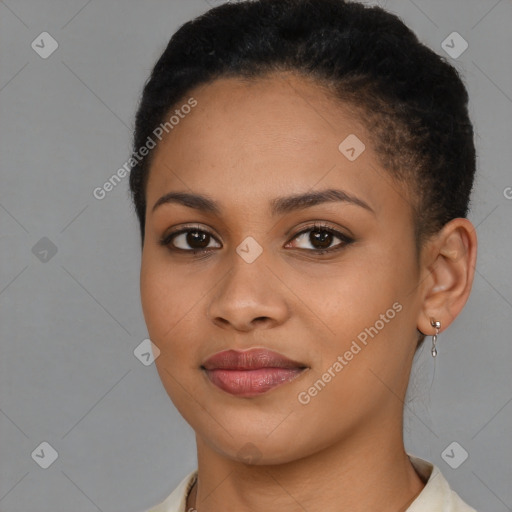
[247, 383]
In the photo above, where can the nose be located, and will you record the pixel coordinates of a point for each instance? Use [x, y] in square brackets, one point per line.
[250, 296]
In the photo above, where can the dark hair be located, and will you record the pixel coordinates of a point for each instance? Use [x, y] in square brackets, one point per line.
[411, 100]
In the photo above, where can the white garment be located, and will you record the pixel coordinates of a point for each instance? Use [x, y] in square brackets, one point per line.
[436, 496]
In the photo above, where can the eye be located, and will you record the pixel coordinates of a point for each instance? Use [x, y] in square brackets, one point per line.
[321, 236]
[195, 238]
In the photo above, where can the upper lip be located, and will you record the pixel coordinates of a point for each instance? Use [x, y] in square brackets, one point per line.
[251, 359]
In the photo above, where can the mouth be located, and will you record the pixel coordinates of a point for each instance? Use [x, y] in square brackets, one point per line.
[251, 372]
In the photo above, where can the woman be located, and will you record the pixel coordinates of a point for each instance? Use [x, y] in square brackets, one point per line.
[302, 172]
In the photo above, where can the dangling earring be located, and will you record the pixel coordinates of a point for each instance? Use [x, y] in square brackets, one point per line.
[437, 325]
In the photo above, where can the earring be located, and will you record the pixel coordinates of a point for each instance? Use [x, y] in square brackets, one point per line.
[437, 325]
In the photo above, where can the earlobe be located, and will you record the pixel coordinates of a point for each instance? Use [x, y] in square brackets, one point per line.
[448, 274]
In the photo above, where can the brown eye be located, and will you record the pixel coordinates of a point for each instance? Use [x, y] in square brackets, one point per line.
[321, 237]
[195, 240]
[189, 240]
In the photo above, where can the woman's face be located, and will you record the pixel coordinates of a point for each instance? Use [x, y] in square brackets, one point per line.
[346, 319]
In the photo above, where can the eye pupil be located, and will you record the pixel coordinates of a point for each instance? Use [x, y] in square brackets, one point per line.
[199, 237]
[325, 240]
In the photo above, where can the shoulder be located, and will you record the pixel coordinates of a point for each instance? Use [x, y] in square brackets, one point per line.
[437, 494]
[176, 501]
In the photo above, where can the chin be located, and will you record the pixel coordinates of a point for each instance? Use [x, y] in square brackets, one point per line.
[254, 443]
[256, 451]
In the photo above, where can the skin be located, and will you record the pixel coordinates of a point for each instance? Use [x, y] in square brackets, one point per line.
[244, 144]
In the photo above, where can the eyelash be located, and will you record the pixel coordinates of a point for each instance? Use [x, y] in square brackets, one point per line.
[345, 240]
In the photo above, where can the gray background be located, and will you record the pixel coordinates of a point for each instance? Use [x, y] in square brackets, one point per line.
[70, 322]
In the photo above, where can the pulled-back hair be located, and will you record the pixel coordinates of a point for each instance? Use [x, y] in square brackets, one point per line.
[411, 101]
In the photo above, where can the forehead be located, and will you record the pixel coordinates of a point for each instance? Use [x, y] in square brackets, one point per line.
[250, 139]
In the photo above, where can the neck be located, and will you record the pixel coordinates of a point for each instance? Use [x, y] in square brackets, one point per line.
[368, 471]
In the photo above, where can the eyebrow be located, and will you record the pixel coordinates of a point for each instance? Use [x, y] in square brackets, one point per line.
[278, 206]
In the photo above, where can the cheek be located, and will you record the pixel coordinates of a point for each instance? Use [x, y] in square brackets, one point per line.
[154, 292]
[165, 298]
[167, 306]
[364, 306]
[351, 296]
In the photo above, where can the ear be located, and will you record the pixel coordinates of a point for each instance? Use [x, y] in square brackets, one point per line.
[448, 271]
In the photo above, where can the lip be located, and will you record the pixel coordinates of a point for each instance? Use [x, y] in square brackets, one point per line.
[250, 372]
